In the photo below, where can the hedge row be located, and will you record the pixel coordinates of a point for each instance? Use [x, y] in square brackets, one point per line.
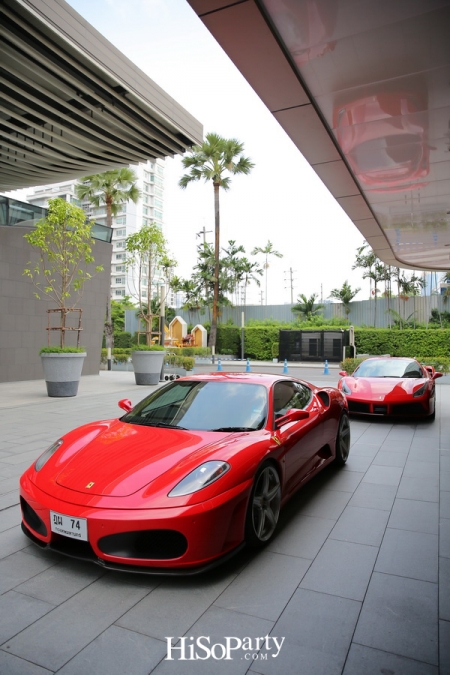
[408, 342]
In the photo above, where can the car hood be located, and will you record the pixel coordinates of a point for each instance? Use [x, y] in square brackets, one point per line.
[117, 459]
[383, 388]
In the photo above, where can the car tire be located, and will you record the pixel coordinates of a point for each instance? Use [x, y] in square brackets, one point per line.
[342, 441]
[264, 506]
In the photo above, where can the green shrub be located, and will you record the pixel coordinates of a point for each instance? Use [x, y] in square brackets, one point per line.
[123, 340]
[440, 364]
[405, 342]
[180, 361]
[350, 365]
[259, 341]
[228, 338]
[62, 350]
[148, 348]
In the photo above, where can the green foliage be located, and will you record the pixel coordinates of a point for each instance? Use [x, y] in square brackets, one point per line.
[438, 318]
[179, 361]
[62, 350]
[229, 339]
[307, 308]
[405, 342]
[148, 348]
[259, 341]
[64, 242]
[110, 188]
[440, 364]
[275, 350]
[350, 365]
[118, 308]
[123, 340]
[191, 351]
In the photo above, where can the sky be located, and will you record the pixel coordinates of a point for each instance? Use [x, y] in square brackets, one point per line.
[281, 200]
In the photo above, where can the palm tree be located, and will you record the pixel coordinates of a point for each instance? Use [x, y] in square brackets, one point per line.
[211, 161]
[111, 188]
[345, 295]
[267, 250]
[307, 307]
[375, 270]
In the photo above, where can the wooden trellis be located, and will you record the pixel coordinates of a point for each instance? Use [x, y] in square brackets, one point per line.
[63, 311]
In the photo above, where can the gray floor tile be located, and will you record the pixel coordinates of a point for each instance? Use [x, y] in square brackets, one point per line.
[361, 449]
[17, 568]
[422, 452]
[325, 504]
[361, 526]
[12, 665]
[61, 581]
[444, 537]
[342, 481]
[408, 514]
[318, 629]
[265, 586]
[9, 518]
[60, 635]
[215, 625]
[392, 446]
[415, 469]
[366, 661]
[409, 554]
[358, 463]
[444, 504]
[383, 475]
[303, 536]
[18, 611]
[444, 589]
[115, 652]
[445, 463]
[423, 489]
[444, 481]
[173, 607]
[399, 615]
[371, 496]
[389, 458]
[444, 647]
[341, 568]
[9, 499]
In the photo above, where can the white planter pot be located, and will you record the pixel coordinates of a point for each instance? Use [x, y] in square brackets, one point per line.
[147, 366]
[62, 373]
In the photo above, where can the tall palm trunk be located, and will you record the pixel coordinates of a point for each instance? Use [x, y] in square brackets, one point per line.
[213, 332]
[109, 329]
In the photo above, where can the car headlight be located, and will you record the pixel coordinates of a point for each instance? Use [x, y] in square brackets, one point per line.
[420, 391]
[203, 475]
[345, 388]
[47, 454]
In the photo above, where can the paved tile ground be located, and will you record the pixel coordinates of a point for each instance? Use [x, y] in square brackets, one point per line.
[357, 581]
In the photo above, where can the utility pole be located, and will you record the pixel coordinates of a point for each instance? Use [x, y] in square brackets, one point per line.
[291, 282]
[204, 231]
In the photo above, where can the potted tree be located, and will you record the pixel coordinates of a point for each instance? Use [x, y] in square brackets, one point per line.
[64, 244]
[149, 262]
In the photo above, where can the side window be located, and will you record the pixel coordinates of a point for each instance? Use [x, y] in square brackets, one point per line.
[287, 395]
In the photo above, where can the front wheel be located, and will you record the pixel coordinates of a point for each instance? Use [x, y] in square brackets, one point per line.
[264, 506]
[342, 441]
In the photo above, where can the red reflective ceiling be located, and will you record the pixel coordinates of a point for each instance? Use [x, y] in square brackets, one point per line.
[363, 89]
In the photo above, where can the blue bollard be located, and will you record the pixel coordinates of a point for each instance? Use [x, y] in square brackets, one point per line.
[325, 370]
[247, 367]
[285, 368]
[219, 365]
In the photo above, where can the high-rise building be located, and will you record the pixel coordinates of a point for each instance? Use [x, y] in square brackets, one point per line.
[130, 218]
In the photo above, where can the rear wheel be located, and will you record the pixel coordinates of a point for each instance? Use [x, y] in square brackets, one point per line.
[264, 506]
[342, 440]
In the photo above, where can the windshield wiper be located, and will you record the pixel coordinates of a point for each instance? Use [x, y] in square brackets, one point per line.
[233, 429]
[149, 423]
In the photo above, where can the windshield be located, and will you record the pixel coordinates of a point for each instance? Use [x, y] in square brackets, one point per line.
[208, 406]
[388, 368]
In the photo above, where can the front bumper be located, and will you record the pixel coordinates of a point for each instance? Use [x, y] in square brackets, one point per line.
[385, 408]
[211, 530]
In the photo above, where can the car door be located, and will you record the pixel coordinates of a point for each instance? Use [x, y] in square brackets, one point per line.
[301, 440]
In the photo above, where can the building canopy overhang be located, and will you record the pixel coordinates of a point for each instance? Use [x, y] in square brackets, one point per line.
[72, 104]
[362, 89]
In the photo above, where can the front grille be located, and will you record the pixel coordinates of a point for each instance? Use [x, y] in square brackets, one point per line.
[145, 544]
[380, 409]
[408, 409]
[32, 519]
[356, 407]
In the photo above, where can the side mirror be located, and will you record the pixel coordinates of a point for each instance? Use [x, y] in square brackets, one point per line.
[437, 374]
[125, 404]
[343, 373]
[292, 415]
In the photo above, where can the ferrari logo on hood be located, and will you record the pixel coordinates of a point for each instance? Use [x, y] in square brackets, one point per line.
[89, 485]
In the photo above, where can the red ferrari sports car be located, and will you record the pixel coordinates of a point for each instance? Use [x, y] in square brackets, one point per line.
[390, 386]
[193, 472]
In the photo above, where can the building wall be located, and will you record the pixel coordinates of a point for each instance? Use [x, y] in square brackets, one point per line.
[23, 318]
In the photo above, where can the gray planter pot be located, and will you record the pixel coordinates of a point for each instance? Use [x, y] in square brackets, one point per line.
[62, 373]
[147, 366]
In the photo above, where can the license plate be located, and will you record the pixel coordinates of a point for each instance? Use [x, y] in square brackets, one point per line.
[67, 526]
